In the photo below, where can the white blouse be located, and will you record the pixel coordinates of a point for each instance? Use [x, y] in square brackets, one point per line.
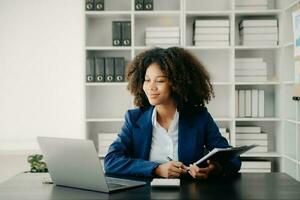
[164, 143]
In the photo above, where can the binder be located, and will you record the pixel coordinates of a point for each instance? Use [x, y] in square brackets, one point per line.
[148, 4]
[89, 4]
[116, 29]
[99, 69]
[139, 4]
[109, 69]
[99, 5]
[90, 69]
[119, 69]
[126, 33]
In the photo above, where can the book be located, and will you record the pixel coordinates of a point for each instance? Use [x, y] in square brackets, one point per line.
[260, 43]
[261, 30]
[162, 34]
[248, 129]
[139, 4]
[254, 102]
[261, 103]
[162, 40]
[99, 5]
[240, 142]
[90, 69]
[211, 23]
[211, 37]
[236, 94]
[250, 78]
[248, 103]
[214, 30]
[99, 69]
[251, 66]
[211, 43]
[259, 37]
[222, 154]
[109, 70]
[163, 28]
[256, 164]
[242, 103]
[250, 72]
[258, 23]
[255, 170]
[119, 69]
[126, 33]
[116, 33]
[251, 136]
[148, 4]
[251, 2]
[165, 182]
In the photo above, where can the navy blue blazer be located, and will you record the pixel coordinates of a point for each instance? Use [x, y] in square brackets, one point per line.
[129, 153]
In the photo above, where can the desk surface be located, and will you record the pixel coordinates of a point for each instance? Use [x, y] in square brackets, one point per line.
[245, 186]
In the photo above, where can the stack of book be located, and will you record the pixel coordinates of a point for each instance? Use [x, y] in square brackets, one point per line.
[225, 133]
[250, 103]
[248, 135]
[259, 32]
[250, 69]
[251, 4]
[211, 32]
[104, 141]
[256, 167]
[162, 36]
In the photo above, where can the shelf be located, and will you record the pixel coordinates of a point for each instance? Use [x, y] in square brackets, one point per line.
[288, 82]
[96, 14]
[258, 83]
[291, 5]
[258, 119]
[156, 13]
[258, 12]
[223, 119]
[256, 47]
[222, 83]
[105, 120]
[291, 159]
[289, 44]
[264, 155]
[107, 84]
[291, 121]
[108, 48]
[207, 13]
[207, 47]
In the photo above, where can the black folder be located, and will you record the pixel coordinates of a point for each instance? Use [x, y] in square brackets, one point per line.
[119, 69]
[109, 69]
[223, 154]
[117, 31]
[99, 69]
[89, 4]
[90, 69]
[139, 4]
[148, 4]
[126, 33]
[99, 5]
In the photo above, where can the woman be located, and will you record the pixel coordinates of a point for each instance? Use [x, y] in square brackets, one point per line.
[171, 127]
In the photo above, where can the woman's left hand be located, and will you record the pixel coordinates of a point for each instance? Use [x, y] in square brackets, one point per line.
[213, 169]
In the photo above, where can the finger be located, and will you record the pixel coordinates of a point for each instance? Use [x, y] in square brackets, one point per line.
[174, 174]
[176, 169]
[204, 170]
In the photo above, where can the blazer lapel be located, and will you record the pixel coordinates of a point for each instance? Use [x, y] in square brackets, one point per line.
[187, 134]
[145, 133]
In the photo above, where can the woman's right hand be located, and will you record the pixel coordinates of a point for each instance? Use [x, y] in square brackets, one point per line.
[171, 169]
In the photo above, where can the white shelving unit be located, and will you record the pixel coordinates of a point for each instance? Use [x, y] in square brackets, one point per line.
[106, 103]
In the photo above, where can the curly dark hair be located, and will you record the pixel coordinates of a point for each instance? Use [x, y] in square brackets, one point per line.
[189, 80]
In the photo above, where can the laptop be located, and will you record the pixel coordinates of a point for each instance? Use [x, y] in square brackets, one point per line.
[75, 163]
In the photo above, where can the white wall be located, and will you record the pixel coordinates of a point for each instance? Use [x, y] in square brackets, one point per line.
[41, 72]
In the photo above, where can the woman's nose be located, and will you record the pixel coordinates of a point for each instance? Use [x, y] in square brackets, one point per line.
[152, 86]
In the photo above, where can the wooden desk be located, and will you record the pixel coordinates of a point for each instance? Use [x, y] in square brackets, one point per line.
[245, 186]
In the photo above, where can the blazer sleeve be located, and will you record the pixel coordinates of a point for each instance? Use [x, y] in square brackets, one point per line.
[119, 159]
[215, 139]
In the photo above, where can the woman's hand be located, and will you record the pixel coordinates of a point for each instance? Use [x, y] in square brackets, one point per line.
[171, 169]
[213, 169]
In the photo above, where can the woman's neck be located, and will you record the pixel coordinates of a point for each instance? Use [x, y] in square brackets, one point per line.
[165, 114]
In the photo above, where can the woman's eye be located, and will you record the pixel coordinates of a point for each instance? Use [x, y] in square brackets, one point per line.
[147, 80]
[160, 81]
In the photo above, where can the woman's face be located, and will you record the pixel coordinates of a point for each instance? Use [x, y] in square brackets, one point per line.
[157, 86]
